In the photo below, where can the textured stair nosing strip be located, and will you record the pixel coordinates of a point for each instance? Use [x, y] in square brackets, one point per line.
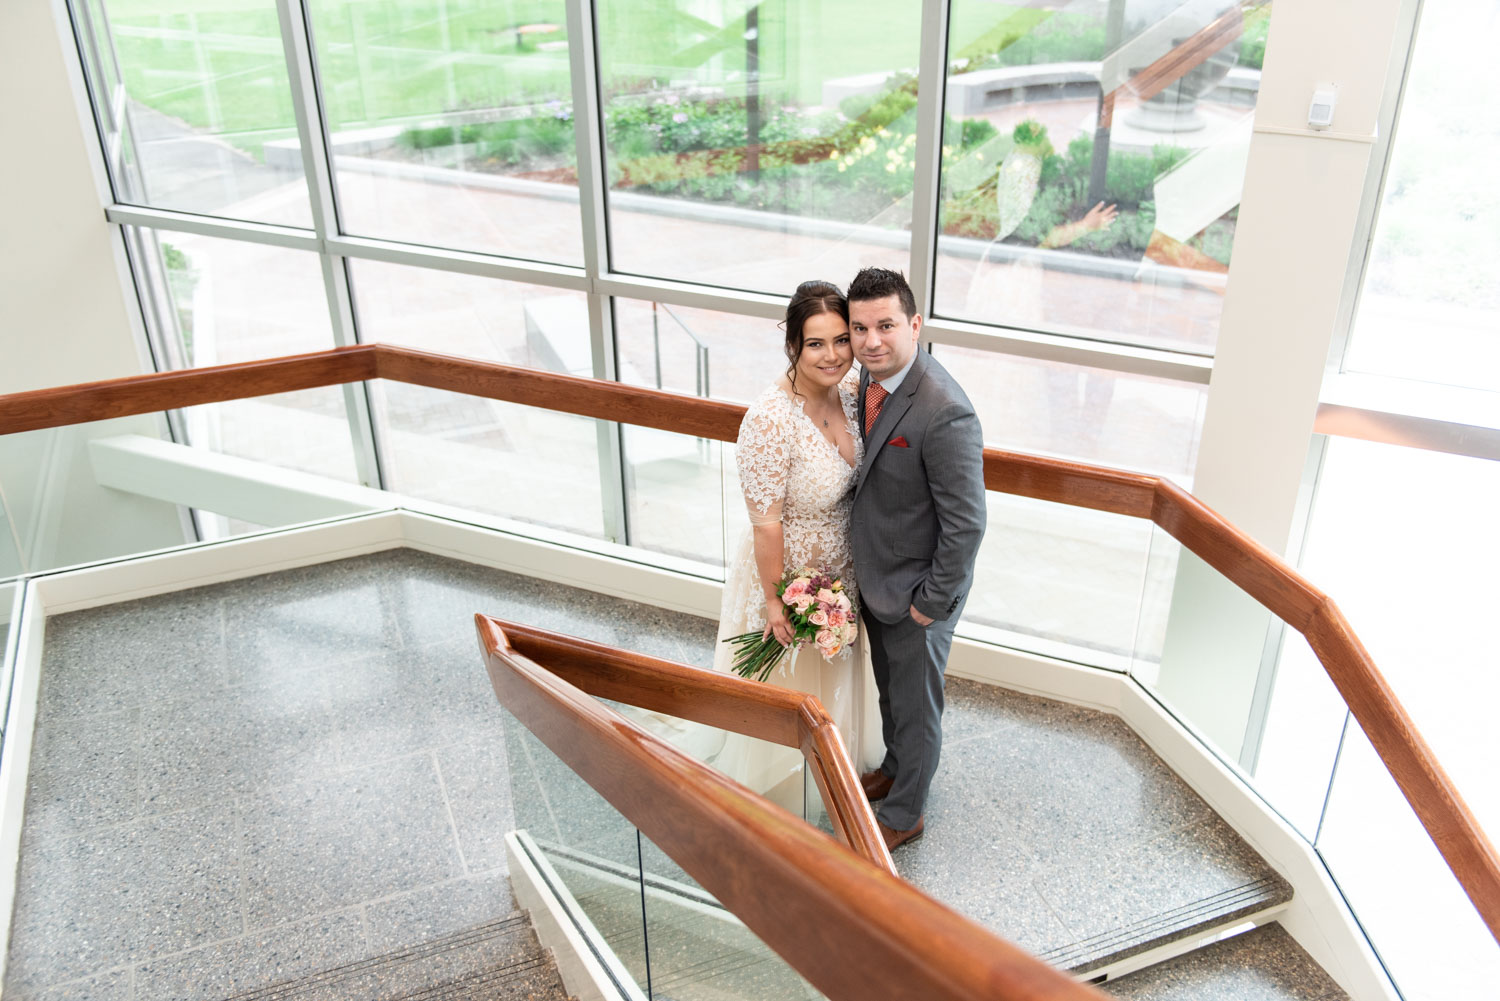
[1187, 917]
[432, 947]
[476, 981]
[1178, 947]
[1119, 942]
[1221, 903]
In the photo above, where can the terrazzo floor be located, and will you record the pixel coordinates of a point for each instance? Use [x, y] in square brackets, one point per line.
[251, 781]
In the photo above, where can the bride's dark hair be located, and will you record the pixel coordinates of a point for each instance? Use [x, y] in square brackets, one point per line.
[810, 299]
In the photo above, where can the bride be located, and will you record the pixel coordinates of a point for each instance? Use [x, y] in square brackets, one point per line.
[798, 455]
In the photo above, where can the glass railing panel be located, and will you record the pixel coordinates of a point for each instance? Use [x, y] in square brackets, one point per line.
[1246, 683]
[774, 771]
[1062, 581]
[1423, 926]
[10, 542]
[699, 950]
[102, 490]
[1406, 541]
[63, 507]
[594, 851]
[10, 610]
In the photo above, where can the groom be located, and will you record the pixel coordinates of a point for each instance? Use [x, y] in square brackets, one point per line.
[918, 517]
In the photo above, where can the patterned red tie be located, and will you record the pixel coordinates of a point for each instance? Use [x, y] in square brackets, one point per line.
[874, 399]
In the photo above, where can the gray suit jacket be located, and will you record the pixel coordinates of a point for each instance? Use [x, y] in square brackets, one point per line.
[919, 511]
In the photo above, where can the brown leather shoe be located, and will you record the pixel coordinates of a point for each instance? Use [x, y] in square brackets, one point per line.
[894, 838]
[877, 785]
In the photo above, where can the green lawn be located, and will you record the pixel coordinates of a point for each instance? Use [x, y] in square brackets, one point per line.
[220, 66]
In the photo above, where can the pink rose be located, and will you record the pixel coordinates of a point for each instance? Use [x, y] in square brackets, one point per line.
[843, 602]
[826, 595]
[835, 617]
[820, 618]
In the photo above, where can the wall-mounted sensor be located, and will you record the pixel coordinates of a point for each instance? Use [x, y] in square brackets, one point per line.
[1320, 112]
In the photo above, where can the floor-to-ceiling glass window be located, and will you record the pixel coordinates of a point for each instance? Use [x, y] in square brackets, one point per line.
[450, 123]
[195, 106]
[1093, 158]
[758, 143]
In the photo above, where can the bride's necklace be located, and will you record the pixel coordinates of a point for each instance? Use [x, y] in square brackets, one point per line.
[805, 402]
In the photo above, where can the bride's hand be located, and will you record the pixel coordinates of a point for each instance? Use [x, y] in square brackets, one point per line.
[777, 622]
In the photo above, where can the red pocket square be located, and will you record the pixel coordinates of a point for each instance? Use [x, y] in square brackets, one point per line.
[899, 441]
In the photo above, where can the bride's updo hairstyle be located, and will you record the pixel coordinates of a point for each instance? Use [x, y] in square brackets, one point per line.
[810, 299]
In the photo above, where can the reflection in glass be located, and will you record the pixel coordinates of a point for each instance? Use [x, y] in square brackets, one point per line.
[1430, 307]
[1093, 157]
[485, 455]
[757, 144]
[1425, 929]
[451, 123]
[196, 106]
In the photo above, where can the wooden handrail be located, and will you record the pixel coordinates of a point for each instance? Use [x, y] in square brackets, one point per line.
[147, 394]
[1262, 574]
[766, 712]
[854, 929]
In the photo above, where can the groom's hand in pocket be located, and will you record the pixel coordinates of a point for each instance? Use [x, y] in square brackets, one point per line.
[919, 618]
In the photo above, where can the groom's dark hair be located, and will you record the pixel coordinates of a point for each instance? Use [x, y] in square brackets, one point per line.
[877, 283]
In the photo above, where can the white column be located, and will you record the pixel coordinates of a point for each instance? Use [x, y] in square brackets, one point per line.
[1297, 227]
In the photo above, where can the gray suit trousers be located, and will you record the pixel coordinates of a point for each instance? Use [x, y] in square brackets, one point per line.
[909, 662]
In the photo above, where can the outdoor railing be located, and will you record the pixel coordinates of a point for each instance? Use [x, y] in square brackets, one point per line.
[1259, 572]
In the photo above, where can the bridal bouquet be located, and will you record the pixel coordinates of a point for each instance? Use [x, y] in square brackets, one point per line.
[819, 610]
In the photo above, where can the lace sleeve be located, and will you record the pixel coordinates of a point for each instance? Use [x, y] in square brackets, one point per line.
[763, 454]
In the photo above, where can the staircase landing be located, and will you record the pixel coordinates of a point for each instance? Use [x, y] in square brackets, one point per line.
[267, 780]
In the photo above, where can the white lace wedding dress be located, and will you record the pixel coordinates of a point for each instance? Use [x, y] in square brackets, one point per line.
[790, 472]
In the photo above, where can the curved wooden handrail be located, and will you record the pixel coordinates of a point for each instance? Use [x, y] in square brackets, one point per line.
[1262, 574]
[766, 712]
[855, 930]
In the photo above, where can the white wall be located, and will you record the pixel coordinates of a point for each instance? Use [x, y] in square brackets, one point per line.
[66, 314]
[1298, 221]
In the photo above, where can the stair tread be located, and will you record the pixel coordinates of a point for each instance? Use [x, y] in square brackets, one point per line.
[1264, 964]
[1056, 827]
[496, 960]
